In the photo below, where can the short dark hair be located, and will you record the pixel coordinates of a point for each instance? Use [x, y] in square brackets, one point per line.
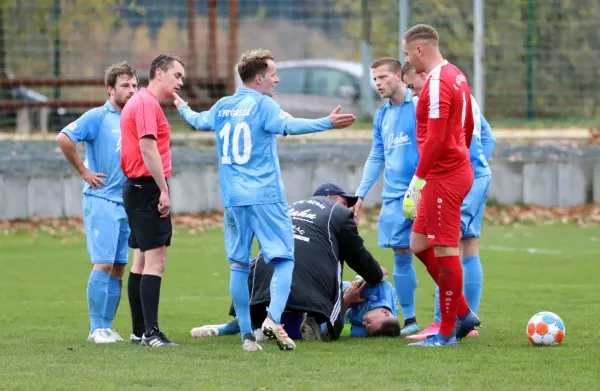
[406, 69]
[164, 62]
[252, 63]
[389, 328]
[393, 63]
[421, 31]
[113, 72]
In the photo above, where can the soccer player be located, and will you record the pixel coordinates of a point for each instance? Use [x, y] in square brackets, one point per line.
[146, 162]
[443, 177]
[370, 311]
[482, 146]
[252, 191]
[104, 216]
[395, 148]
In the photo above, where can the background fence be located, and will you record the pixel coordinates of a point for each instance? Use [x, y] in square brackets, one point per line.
[541, 56]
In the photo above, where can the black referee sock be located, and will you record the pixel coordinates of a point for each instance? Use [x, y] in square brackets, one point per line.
[135, 304]
[150, 292]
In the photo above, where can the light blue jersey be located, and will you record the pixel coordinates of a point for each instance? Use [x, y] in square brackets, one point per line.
[100, 129]
[394, 147]
[381, 295]
[482, 143]
[246, 126]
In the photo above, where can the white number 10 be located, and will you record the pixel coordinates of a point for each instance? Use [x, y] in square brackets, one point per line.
[235, 149]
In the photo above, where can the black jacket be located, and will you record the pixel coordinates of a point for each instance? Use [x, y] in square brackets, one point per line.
[325, 236]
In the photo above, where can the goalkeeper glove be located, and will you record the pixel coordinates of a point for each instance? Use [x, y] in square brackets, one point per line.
[412, 197]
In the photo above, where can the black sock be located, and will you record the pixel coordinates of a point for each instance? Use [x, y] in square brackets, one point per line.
[135, 304]
[409, 321]
[150, 292]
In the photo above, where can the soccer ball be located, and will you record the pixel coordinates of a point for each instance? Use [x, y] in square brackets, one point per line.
[545, 329]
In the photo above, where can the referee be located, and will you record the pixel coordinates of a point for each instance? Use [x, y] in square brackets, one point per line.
[146, 162]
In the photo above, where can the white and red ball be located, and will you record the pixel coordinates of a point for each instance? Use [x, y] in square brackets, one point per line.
[545, 329]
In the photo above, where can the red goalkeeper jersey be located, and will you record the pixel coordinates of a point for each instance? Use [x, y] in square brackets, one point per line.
[444, 123]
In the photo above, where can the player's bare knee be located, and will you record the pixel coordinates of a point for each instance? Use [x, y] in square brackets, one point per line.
[240, 265]
[118, 271]
[418, 243]
[139, 261]
[445, 251]
[402, 251]
[154, 261]
[469, 247]
[105, 267]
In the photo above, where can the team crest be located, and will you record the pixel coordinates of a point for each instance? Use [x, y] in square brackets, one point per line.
[72, 126]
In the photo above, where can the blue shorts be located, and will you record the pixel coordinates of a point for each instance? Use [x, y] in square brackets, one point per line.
[394, 229]
[106, 230]
[270, 223]
[473, 207]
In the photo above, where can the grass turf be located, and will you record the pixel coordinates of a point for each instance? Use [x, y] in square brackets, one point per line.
[527, 269]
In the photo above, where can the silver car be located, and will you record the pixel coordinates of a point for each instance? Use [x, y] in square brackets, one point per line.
[313, 88]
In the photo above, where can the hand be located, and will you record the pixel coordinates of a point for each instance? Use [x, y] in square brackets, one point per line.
[412, 197]
[352, 293]
[93, 179]
[356, 208]
[385, 273]
[340, 121]
[178, 101]
[164, 204]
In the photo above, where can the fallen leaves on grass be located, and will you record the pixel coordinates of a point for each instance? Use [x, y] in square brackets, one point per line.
[583, 216]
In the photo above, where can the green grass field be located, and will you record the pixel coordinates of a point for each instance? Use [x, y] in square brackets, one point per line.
[44, 324]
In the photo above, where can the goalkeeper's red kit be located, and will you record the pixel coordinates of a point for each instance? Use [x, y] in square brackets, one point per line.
[444, 129]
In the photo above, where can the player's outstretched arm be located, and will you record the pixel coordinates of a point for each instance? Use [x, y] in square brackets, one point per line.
[336, 120]
[200, 121]
[488, 141]
[374, 162]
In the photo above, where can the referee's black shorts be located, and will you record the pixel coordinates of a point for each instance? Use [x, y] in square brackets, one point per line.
[148, 229]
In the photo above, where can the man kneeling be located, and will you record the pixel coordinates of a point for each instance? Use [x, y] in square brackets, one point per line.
[325, 236]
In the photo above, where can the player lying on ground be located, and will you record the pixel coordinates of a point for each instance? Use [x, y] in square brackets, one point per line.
[394, 149]
[104, 217]
[443, 177]
[370, 311]
[326, 237]
[482, 147]
[252, 191]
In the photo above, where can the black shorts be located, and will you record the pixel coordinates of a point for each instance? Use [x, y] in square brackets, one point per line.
[148, 229]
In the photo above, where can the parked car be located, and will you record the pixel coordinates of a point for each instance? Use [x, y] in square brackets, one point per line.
[313, 88]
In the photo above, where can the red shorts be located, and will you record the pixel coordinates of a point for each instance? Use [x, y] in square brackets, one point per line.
[439, 209]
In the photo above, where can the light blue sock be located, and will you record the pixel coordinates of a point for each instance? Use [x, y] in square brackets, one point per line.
[97, 294]
[238, 288]
[473, 281]
[229, 328]
[437, 318]
[281, 283]
[112, 301]
[405, 283]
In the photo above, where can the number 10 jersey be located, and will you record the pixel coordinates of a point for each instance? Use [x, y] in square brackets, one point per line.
[246, 125]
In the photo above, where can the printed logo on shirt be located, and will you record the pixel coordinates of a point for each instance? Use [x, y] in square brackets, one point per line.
[460, 79]
[283, 114]
[118, 145]
[72, 126]
[397, 140]
[305, 215]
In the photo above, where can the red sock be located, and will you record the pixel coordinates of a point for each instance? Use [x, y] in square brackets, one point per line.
[452, 300]
[431, 263]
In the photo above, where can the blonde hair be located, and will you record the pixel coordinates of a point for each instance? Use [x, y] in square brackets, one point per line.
[252, 63]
